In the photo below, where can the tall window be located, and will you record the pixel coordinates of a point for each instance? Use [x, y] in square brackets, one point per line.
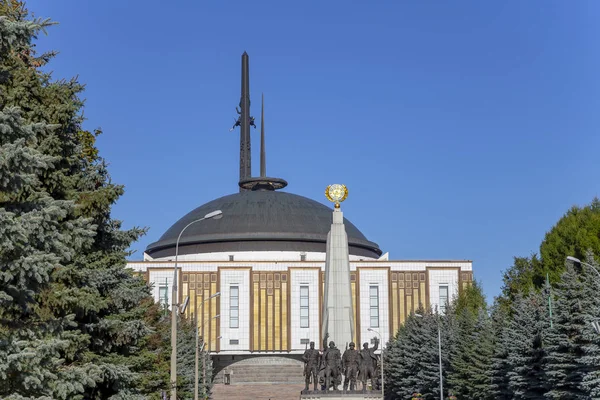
[443, 298]
[234, 306]
[163, 297]
[374, 305]
[303, 306]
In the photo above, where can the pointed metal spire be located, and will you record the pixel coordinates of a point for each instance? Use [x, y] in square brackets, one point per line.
[263, 155]
[247, 181]
[245, 122]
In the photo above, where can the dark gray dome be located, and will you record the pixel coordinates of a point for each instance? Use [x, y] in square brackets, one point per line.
[259, 221]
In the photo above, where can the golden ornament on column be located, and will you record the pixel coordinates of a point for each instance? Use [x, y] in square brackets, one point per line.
[336, 193]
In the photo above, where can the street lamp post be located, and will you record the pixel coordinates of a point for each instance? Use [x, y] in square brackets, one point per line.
[203, 343]
[175, 306]
[381, 341]
[439, 355]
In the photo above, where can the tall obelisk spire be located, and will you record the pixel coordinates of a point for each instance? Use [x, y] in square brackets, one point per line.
[245, 122]
[337, 311]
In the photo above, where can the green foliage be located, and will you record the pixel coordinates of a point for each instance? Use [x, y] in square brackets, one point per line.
[520, 278]
[572, 345]
[411, 360]
[499, 366]
[591, 347]
[573, 235]
[515, 352]
[74, 322]
[186, 361]
[470, 300]
[525, 358]
[472, 347]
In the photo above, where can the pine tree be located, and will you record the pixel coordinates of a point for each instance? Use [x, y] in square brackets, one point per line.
[570, 341]
[591, 348]
[470, 360]
[39, 234]
[525, 334]
[82, 314]
[499, 368]
[470, 344]
[186, 360]
[412, 358]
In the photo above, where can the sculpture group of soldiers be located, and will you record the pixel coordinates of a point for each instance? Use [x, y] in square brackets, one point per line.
[326, 367]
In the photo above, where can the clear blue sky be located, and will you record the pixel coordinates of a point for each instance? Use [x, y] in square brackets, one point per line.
[464, 130]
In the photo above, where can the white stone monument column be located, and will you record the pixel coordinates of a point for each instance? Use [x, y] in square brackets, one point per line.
[338, 313]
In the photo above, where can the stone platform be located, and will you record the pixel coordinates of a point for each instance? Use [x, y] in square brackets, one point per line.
[257, 391]
[287, 391]
[340, 395]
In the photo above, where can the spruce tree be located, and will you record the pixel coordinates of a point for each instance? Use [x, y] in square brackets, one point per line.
[525, 337]
[39, 234]
[591, 347]
[470, 344]
[570, 342]
[81, 314]
[500, 368]
[411, 363]
[470, 360]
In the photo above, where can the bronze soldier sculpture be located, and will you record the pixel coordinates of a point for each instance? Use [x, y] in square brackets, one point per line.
[350, 365]
[311, 359]
[331, 361]
[368, 363]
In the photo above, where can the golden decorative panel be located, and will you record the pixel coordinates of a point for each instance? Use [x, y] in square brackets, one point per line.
[203, 312]
[269, 320]
[408, 291]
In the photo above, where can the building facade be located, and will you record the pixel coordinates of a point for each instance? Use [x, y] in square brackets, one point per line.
[274, 306]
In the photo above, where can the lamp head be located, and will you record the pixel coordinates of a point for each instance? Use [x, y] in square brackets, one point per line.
[217, 214]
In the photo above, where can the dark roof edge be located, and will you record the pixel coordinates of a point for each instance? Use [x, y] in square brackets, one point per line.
[258, 236]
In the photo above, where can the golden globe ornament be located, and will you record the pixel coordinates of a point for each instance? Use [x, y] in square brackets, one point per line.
[336, 193]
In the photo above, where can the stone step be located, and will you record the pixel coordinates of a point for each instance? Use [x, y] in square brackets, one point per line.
[249, 391]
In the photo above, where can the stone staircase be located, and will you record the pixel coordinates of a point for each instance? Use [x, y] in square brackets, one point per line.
[256, 391]
[265, 369]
